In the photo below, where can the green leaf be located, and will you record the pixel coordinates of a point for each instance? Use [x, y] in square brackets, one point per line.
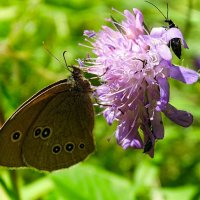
[84, 182]
[183, 193]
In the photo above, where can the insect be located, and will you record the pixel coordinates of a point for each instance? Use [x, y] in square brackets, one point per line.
[53, 129]
[174, 43]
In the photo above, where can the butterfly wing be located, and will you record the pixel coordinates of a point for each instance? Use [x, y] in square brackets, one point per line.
[23, 138]
[13, 132]
[65, 135]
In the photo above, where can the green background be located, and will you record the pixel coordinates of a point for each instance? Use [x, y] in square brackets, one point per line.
[111, 172]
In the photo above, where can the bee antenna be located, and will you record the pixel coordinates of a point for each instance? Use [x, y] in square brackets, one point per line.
[159, 9]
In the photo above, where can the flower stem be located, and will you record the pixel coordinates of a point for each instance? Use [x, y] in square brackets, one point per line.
[14, 179]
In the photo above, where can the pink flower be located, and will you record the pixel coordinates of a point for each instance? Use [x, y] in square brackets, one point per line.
[135, 67]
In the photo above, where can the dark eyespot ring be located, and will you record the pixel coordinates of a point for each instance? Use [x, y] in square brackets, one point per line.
[56, 149]
[69, 147]
[81, 146]
[37, 132]
[16, 136]
[46, 133]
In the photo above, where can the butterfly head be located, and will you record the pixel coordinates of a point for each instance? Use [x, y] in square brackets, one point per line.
[81, 83]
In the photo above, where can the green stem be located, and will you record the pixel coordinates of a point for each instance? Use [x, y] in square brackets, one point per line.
[14, 179]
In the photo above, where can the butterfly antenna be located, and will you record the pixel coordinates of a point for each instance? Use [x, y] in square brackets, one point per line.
[158, 9]
[49, 52]
[68, 67]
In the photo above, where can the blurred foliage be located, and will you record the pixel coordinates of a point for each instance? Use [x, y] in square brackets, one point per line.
[110, 173]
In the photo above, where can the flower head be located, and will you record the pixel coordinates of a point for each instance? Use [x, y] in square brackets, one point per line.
[135, 67]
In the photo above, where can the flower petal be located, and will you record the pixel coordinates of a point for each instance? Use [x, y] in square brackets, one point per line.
[149, 140]
[164, 52]
[110, 115]
[164, 93]
[138, 19]
[127, 132]
[157, 126]
[89, 33]
[174, 33]
[180, 117]
[157, 32]
[185, 75]
[133, 141]
[149, 147]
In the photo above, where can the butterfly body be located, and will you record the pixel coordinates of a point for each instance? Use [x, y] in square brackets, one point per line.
[53, 129]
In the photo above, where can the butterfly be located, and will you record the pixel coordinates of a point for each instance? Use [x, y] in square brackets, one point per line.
[52, 129]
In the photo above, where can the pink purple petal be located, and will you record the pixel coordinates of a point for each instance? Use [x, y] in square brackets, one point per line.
[185, 75]
[180, 117]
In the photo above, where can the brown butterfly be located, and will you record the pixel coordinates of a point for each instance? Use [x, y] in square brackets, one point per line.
[51, 130]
